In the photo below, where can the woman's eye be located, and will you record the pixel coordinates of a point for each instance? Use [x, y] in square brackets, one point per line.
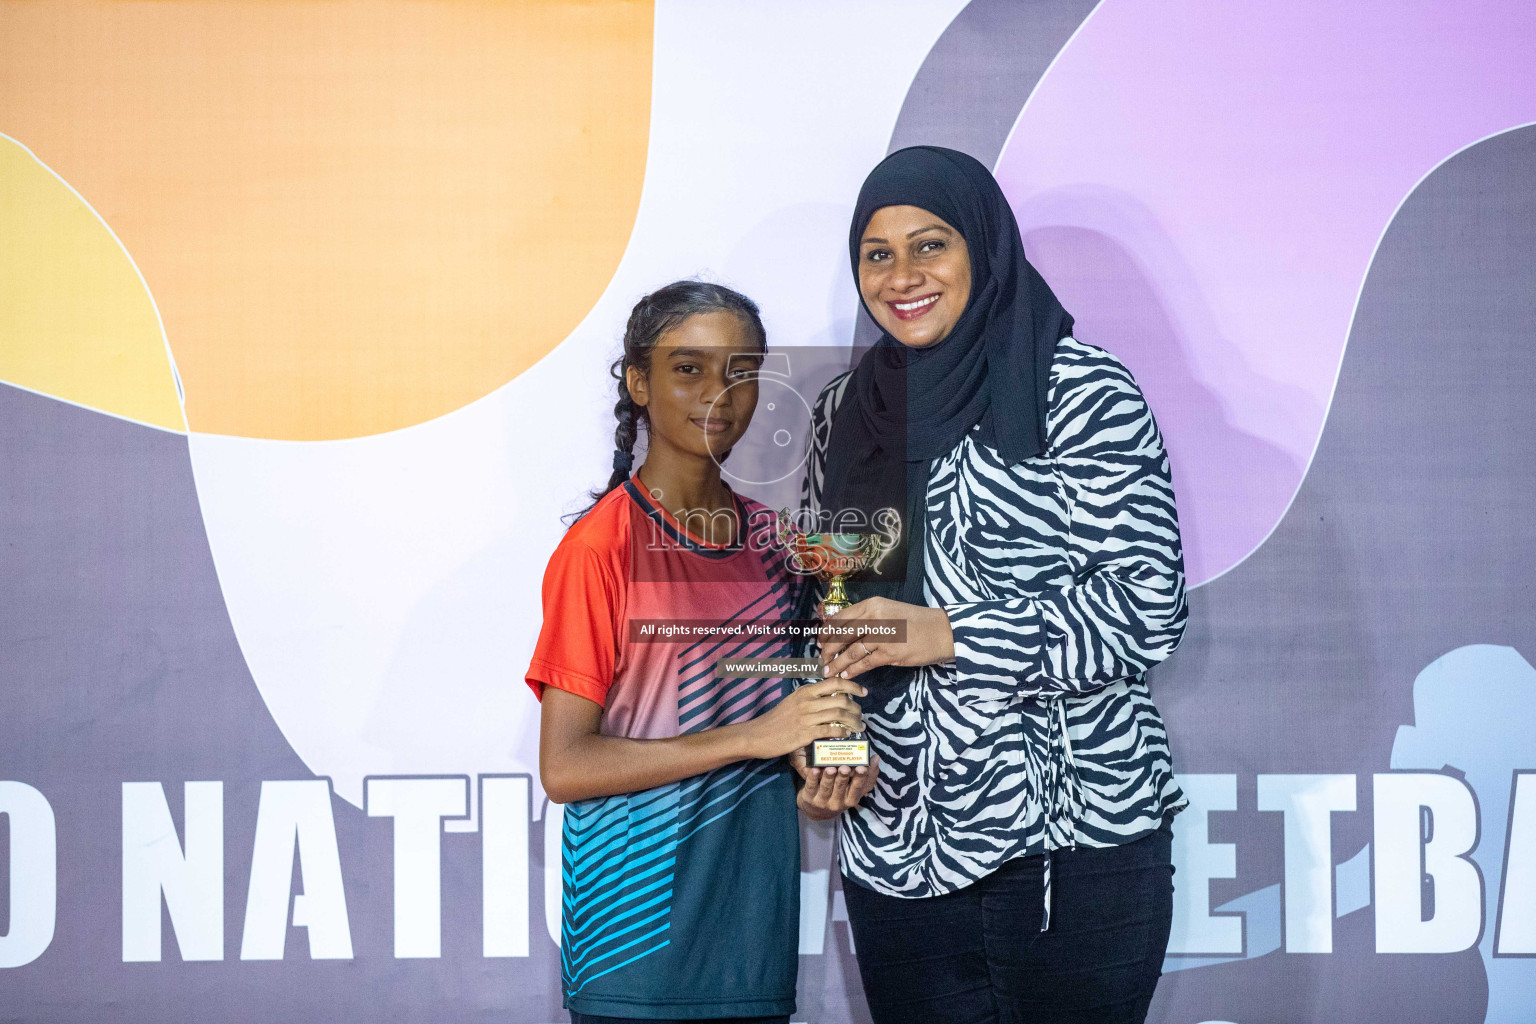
[931, 246]
[878, 256]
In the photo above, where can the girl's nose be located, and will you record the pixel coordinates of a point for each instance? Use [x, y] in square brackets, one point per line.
[712, 389]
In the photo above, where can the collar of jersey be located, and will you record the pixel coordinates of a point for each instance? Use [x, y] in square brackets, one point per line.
[676, 532]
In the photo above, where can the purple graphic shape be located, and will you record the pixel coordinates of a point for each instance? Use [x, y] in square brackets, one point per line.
[1204, 185]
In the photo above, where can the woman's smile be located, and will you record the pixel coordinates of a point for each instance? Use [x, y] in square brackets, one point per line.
[911, 309]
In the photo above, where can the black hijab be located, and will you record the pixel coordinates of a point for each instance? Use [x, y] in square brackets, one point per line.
[904, 406]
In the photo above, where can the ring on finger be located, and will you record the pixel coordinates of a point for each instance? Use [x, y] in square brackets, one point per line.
[867, 651]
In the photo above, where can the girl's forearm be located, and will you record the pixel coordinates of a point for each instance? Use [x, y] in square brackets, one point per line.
[593, 765]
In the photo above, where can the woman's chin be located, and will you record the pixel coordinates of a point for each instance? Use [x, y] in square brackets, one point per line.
[917, 339]
[915, 334]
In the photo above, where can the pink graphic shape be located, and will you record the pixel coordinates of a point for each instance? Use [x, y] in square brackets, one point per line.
[1204, 184]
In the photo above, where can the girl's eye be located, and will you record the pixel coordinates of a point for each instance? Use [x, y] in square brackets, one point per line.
[686, 368]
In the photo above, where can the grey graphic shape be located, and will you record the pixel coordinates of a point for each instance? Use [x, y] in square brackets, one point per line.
[118, 663]
[1411, 535]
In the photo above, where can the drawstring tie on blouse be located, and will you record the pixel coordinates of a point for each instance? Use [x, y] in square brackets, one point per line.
[1062, 769]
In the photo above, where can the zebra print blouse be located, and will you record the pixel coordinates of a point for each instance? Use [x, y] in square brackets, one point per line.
[1063, 579]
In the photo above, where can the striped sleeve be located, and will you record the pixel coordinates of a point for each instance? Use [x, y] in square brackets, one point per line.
[809, 592]
[811, 486]
[1124, 610]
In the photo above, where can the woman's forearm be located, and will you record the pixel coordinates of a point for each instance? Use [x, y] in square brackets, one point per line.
[582, 767]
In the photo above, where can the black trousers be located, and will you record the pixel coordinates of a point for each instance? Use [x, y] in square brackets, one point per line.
[977, 956]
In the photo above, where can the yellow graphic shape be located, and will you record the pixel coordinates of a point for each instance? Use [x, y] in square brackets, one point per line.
[354, 216]
[75, 320]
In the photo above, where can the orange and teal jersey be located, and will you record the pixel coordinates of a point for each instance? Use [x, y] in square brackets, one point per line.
[680, 901]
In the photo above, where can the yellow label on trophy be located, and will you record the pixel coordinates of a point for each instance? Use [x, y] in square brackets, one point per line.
[831, 753]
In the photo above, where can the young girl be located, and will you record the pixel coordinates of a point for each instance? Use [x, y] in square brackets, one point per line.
[681, 850]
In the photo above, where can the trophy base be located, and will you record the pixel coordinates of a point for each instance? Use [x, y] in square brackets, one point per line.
[833, 753]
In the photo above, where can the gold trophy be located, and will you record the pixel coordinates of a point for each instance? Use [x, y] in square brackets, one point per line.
[833, 557]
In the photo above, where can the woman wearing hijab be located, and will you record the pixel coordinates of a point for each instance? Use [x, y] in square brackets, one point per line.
[1014, 860]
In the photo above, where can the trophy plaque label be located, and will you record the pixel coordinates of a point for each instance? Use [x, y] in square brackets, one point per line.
[832, 753]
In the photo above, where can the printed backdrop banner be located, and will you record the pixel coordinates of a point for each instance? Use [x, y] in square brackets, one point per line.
[305, 318]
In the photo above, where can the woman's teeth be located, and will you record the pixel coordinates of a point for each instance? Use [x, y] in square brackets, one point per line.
[914, 309]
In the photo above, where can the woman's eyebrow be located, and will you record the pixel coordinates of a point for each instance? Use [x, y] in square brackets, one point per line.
[910, 234]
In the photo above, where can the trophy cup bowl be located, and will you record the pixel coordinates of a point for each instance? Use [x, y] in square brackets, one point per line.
[832, 557]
